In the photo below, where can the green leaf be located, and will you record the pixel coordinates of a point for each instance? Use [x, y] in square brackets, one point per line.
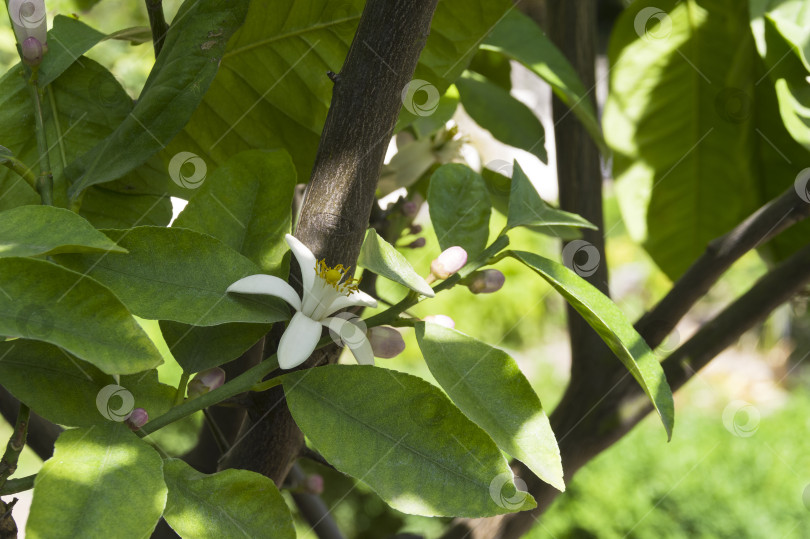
[246, 204]
[518, 37]
[45, 230]
[181, 75]
[487, 385]
[284, 103]
[526, 208]
[493, 66]
[230, 503]
[199, 348]
[460, 209]
[382, 258]
[403, 438]
[509, 120]
[68, 40]
[610, 323]
[46, 302]
[180, 275]
[102, 481]
[684, 125]
[67, 391]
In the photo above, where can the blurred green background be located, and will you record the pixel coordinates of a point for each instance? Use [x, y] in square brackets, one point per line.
[708, 482]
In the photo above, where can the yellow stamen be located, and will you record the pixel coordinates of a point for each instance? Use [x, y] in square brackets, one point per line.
[334, 276]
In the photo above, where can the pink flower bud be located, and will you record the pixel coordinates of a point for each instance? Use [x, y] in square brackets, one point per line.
[205, 381]
[314, 484]
[450, 261]
[32, 51]
[386, 342]
[410, 209]
[441, 320]
[487, 282]
[417, 243]
[29, 19]
[415, 229]
[137, 419]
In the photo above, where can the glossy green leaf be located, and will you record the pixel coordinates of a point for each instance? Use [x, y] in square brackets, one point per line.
[284, 103]
[181, 75]
[68, 40]
[199, 348]
[403, 438]
[46, 302]
[487, 385]
[610, 323]
[102, 481]
[45, 230]
[230, 503]
[180, 275]
[68, 391]
[526, 208]
[518, 37]
[382, 258]
[459, 208]
[685, 126]
[494, 66]
[246, 204]
[506, 118]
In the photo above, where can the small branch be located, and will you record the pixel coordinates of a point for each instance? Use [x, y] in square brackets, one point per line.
[157, 21]
[8, 465]
[42, 434]
[18, 167]
[13, 486]
[312, 508]
[181, 388]
[44, 183]
[760, 227]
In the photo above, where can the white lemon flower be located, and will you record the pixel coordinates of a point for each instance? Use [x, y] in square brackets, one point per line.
[325, 291]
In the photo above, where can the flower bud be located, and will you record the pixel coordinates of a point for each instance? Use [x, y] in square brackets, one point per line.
[137, 419]
[32, 51]
[386, 342]
[441, 320]
[450, 261]
[29, 20]
[314, 484]
[205, 381]
[487, 281]
[410, 209]
[417, 243]
[415, 229]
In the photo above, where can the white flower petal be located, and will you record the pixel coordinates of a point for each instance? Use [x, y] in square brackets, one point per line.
[306, 261]
[353, 336]
[268, 286]
[298, 342]
[355, 299]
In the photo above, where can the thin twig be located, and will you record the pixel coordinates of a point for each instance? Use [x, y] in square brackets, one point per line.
[157, 21]
[8, 465]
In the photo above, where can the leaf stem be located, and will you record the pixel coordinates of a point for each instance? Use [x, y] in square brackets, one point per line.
[18, 167]
[44, 183]
[181, 388]
[8, 465]
[157, 20]
[13, 486]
